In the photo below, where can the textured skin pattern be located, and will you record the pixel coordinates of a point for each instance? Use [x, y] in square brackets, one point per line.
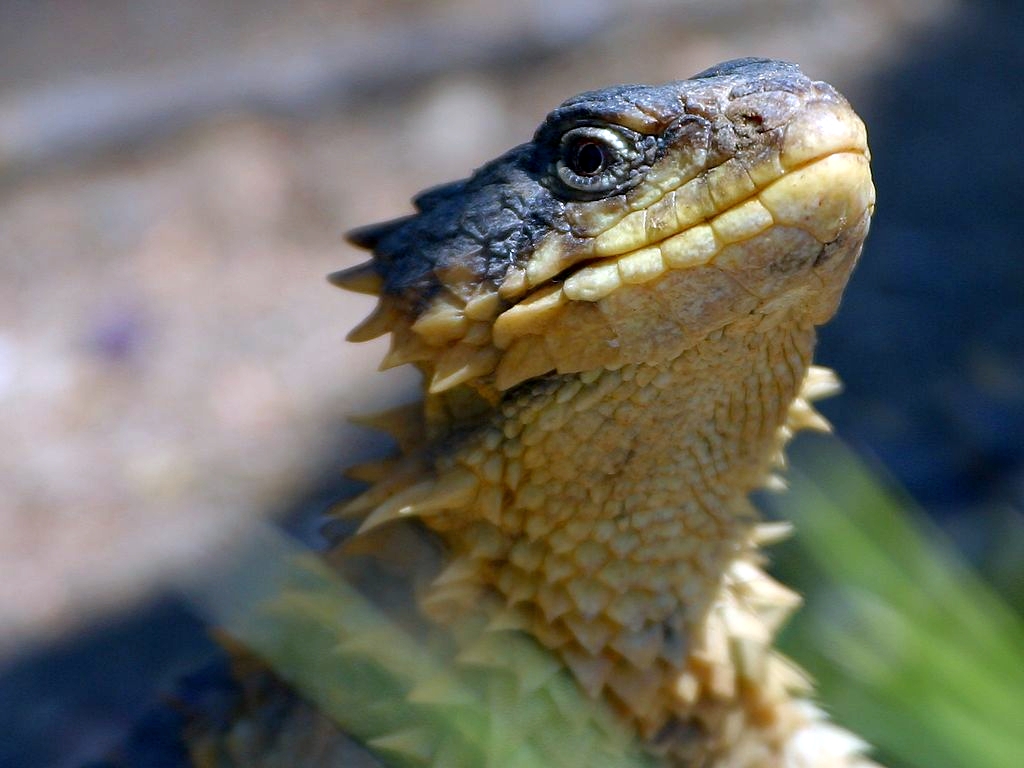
[615, 323]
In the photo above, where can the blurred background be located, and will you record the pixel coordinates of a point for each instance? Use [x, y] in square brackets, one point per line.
[175, 179]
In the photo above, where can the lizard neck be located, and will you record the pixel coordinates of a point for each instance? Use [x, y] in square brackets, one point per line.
[613, 504]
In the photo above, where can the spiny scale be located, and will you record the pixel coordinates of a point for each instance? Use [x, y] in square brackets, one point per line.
[377, 323]
[402, 423]
[453, 490]
[362, 278]
[450, 339]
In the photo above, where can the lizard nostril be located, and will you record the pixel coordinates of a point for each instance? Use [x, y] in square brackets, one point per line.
[749, 122]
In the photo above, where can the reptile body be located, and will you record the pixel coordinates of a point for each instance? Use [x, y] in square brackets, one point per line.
[615, 324]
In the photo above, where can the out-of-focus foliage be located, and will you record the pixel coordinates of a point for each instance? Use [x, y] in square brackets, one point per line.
[500, 701]
[911, 649]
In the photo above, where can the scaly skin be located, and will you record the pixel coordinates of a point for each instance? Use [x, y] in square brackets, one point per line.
[615, 322]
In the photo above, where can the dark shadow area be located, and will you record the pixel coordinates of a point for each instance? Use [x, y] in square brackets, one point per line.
[69, 702]
[930, 338]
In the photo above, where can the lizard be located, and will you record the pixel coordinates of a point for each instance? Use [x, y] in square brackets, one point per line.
[615, 324]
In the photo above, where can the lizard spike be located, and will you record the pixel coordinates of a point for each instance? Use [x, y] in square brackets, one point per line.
[772, 683]
[377, 323]
[803, 415]
[404, 424]
[362, 278]
[444, 321]
[536, 673]
[767, 591]
[451, 491]
[359, 505]
[720, 680]
[817, 423]
[712, 648]
[639, 648]
[405, 347]
[488, 651]
[766, 534]
[778, 460]
[371, 471]
[529, 317]
[370, 235]
[774, 615]
[592, 635]
[687, 687]
[639, 688]
[460, 364]
[775, 483]
[788, 675]
[405, 473]
[402, 504]
[820, 383]
[770, 601]
[423, 499]
[446, 603]
[553, 601]
[484, 306]
[591, 672]
[741, 622]
[460, 570]
[478, 334]
[512, 618]
[517, 586]
[490, 502]
[525, 359]
[553, 635]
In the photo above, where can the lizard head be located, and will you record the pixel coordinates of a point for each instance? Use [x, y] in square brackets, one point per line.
[639, 220]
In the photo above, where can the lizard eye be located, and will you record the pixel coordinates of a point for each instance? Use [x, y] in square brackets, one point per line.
[587, 158]
[596, 161]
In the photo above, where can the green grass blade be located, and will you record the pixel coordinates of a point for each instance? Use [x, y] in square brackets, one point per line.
[360, 667]
[911, 648]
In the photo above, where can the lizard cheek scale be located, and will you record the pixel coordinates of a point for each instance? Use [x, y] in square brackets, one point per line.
[615, 324]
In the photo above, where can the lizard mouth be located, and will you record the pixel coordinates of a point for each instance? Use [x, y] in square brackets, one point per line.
[815, 178]
[784, 203]
[753, 230]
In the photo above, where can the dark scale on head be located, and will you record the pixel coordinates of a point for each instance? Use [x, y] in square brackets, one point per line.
[595, 145]
[482, 225]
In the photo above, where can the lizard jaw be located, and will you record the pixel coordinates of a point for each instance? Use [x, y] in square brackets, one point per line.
[790, 243]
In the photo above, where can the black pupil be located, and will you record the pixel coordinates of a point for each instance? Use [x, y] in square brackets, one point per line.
[588, 158]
